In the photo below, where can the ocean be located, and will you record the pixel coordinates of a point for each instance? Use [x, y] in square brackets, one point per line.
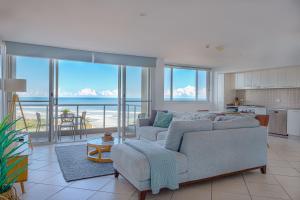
[94, 106]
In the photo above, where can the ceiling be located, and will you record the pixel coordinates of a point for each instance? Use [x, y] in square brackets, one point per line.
[231, 34]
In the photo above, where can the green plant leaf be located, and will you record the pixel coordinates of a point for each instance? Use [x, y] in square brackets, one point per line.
[8, 135]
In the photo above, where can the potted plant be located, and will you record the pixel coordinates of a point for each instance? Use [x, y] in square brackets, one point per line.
[10, 143]
[66, 111]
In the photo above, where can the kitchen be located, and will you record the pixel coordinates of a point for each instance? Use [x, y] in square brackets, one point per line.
[275, 92]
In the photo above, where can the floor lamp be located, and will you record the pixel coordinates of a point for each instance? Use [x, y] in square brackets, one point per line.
[15, 85]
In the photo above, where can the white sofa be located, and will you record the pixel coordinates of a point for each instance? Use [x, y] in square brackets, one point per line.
[225, 149]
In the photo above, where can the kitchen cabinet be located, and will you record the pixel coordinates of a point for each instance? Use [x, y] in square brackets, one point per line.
[239, 80]
[256, 79]
[293, 125]
[269, 78]
[248, 80]
[292, 77]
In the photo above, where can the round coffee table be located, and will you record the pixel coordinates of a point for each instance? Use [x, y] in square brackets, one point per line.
[98, 146]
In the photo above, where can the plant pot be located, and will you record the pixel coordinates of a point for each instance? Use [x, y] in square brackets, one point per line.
[11, 194]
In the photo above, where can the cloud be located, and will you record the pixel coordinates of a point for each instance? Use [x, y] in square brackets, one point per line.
[188, 91]
[87, 92]
[109, 93]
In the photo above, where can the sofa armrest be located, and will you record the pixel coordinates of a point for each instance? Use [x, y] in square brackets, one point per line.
[143, 122]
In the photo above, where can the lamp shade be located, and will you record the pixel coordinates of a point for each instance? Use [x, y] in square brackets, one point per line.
[15, 85]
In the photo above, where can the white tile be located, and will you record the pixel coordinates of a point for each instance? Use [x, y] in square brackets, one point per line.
[285, 171]
[38, 176]
[36, 164]
[40, 192]
[232, 184]
[56, 180]
[91, 183]
[109, 196]
[257, 177]
[200, 191]
[72, 194]
[118, 185]
[265, 190]
[229, 196]
[264, 198]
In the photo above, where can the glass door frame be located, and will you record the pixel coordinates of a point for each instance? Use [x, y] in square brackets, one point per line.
[124, 100]
[2, 71]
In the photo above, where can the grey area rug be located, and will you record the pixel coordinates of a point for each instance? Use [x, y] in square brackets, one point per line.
[75, 166]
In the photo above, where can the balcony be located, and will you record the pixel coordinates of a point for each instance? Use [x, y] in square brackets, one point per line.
[99, 117]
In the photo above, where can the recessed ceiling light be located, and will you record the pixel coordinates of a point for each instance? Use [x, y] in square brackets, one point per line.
[143, 14]
[207, 46]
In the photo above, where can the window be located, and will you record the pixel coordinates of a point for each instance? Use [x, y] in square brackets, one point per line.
[185, 84]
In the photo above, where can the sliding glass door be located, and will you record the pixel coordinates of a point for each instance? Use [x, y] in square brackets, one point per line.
[136, 97]
[109, 97]
[35, 101]
[88, 90]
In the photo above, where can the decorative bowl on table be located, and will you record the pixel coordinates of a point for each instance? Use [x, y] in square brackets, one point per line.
[107, 136]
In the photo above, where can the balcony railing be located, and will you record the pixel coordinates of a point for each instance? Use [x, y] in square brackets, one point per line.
[98, 116]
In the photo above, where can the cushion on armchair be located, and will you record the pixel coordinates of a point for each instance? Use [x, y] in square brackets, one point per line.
[163, 119]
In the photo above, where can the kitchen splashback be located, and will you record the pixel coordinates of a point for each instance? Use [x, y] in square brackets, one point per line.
[271, 98]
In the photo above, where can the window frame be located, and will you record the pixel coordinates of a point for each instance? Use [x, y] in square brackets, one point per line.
[196, 69]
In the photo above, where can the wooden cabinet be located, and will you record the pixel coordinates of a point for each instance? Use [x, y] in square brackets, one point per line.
[269, 78]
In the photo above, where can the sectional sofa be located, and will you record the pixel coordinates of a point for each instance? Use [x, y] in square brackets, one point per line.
[229, 147]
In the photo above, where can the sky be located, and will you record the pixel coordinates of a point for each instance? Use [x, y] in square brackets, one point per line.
[82, 79]
[76, 79]
[184, 83]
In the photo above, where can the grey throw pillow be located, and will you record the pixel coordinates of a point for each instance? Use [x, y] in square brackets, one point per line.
[178, 128]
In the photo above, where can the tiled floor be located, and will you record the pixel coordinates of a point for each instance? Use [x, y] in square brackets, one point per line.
[282, 180]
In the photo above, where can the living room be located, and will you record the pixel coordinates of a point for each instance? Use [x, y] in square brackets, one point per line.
[150, 100]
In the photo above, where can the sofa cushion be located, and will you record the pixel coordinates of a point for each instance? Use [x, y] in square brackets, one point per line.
[178, 128]
[163, 119]
[136, 163]
[162, 135]
[149, 132]
[238, 122]
[187, 116]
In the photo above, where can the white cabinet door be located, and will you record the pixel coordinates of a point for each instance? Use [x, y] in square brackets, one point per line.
[239, 80]
[293, 125]
[248, 80]
[256, 79]
[297, 73]
[267, 79]
[292, 76]
[281, 78]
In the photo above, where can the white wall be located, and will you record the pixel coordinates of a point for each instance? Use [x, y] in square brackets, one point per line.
[158, 94]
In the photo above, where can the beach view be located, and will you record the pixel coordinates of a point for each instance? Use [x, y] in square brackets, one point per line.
[94, 107]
